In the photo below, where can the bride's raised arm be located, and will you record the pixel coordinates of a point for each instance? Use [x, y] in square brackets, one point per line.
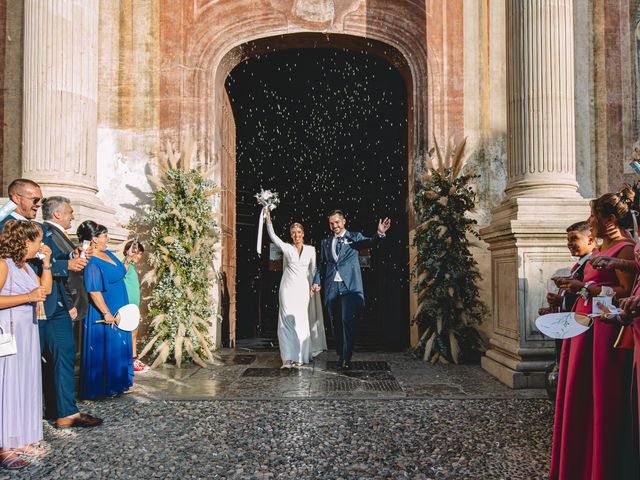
[272, 234]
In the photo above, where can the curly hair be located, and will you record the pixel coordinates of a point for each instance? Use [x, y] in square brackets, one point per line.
[618, 204]
[14, 237]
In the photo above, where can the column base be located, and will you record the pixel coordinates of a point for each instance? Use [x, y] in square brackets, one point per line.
[524, 375]
[512, 378]
[527, 240]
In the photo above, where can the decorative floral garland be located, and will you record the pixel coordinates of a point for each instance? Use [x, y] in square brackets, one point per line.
[184, 232]
[446, 274]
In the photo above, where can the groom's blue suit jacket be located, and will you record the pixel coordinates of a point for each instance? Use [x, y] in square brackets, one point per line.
[348, 265]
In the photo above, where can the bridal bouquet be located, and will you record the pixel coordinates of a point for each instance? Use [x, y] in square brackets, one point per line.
[268, 199]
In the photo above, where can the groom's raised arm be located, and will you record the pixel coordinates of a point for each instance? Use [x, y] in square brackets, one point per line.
[368, 242]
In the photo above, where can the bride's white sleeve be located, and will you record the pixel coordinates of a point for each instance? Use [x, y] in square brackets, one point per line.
[274, 238]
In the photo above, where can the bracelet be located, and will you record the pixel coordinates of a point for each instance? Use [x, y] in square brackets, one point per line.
[584, 292]
[46, 267]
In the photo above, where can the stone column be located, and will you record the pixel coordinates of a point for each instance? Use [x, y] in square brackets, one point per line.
[527, 233]
[60, 103]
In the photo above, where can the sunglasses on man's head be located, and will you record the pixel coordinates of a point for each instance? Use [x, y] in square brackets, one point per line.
[33, 199]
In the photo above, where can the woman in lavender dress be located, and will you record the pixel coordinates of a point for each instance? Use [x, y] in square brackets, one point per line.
[20, 378]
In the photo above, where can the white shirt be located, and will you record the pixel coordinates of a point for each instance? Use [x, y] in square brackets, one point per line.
[337, 278]
[59, 227]
[17, 216]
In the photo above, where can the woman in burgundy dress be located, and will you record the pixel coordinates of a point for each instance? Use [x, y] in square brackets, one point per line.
[592, 435]
[631, 307]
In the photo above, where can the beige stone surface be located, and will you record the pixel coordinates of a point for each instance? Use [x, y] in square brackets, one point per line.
[159, 68]
[12, 126]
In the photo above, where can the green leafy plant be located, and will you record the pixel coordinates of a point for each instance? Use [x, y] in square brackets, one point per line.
[445, 273]
[183, 235]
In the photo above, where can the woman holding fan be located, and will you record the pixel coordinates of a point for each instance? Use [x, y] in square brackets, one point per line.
[592, 430]
[107, 356]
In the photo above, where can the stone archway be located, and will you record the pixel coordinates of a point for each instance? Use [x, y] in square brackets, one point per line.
[203, 40]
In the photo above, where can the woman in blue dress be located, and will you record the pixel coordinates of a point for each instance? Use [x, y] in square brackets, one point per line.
[107, 361]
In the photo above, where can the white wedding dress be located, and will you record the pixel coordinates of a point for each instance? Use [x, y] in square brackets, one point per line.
[300, 321]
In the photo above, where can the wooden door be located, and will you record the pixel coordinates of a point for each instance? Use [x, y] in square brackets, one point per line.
[228, 203]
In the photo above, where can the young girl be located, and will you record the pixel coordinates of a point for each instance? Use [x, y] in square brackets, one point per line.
[133, 253]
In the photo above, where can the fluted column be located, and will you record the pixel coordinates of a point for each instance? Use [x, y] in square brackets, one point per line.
[60, 95]
[540, 89]
[527, 234]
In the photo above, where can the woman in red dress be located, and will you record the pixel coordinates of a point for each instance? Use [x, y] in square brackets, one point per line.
[592, 435]
[631, 307]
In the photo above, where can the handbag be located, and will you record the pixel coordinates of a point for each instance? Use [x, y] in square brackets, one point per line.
[8, 345]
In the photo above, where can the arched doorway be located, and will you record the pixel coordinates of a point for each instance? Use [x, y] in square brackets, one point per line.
[226, 130]
[326, 128]
[202, 41]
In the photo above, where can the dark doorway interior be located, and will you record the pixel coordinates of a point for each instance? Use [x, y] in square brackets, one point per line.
[325, 128]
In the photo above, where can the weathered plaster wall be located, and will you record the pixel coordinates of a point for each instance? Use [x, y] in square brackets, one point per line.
[485, 118]
[12, 114]
[128, 112]
[585, 108]
[129, 97]
[614, 82]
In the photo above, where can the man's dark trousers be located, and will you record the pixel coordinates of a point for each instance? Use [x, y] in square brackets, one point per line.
[343, 316]
[59, 350]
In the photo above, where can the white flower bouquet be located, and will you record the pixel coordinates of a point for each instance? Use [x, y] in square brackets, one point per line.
[267, 198]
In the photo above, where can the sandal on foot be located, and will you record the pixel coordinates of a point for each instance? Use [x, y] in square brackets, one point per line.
[31, 451]
[10, 460]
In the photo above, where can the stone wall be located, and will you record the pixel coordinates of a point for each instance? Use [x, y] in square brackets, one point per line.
[162, 65]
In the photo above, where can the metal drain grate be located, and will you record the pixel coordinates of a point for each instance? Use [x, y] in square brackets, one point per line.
[383, 386]
[363, 366]
[275, 372]
[347, 385]
[341, 385]
[263, 372]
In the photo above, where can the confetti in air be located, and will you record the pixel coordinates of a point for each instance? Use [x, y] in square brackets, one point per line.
[326, 128]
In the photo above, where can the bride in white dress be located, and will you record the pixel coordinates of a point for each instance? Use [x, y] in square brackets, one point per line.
[300, 322]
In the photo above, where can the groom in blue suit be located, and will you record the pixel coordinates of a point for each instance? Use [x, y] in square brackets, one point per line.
[339, 272]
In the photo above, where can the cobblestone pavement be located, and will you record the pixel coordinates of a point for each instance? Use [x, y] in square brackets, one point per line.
[426, 436]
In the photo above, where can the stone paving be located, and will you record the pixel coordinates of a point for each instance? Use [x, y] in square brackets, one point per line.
[394, 418]
[257, 375]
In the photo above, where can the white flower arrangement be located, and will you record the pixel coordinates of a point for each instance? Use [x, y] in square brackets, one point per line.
[267, 198]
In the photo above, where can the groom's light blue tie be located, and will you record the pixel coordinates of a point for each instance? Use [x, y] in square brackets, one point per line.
[339, 241]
